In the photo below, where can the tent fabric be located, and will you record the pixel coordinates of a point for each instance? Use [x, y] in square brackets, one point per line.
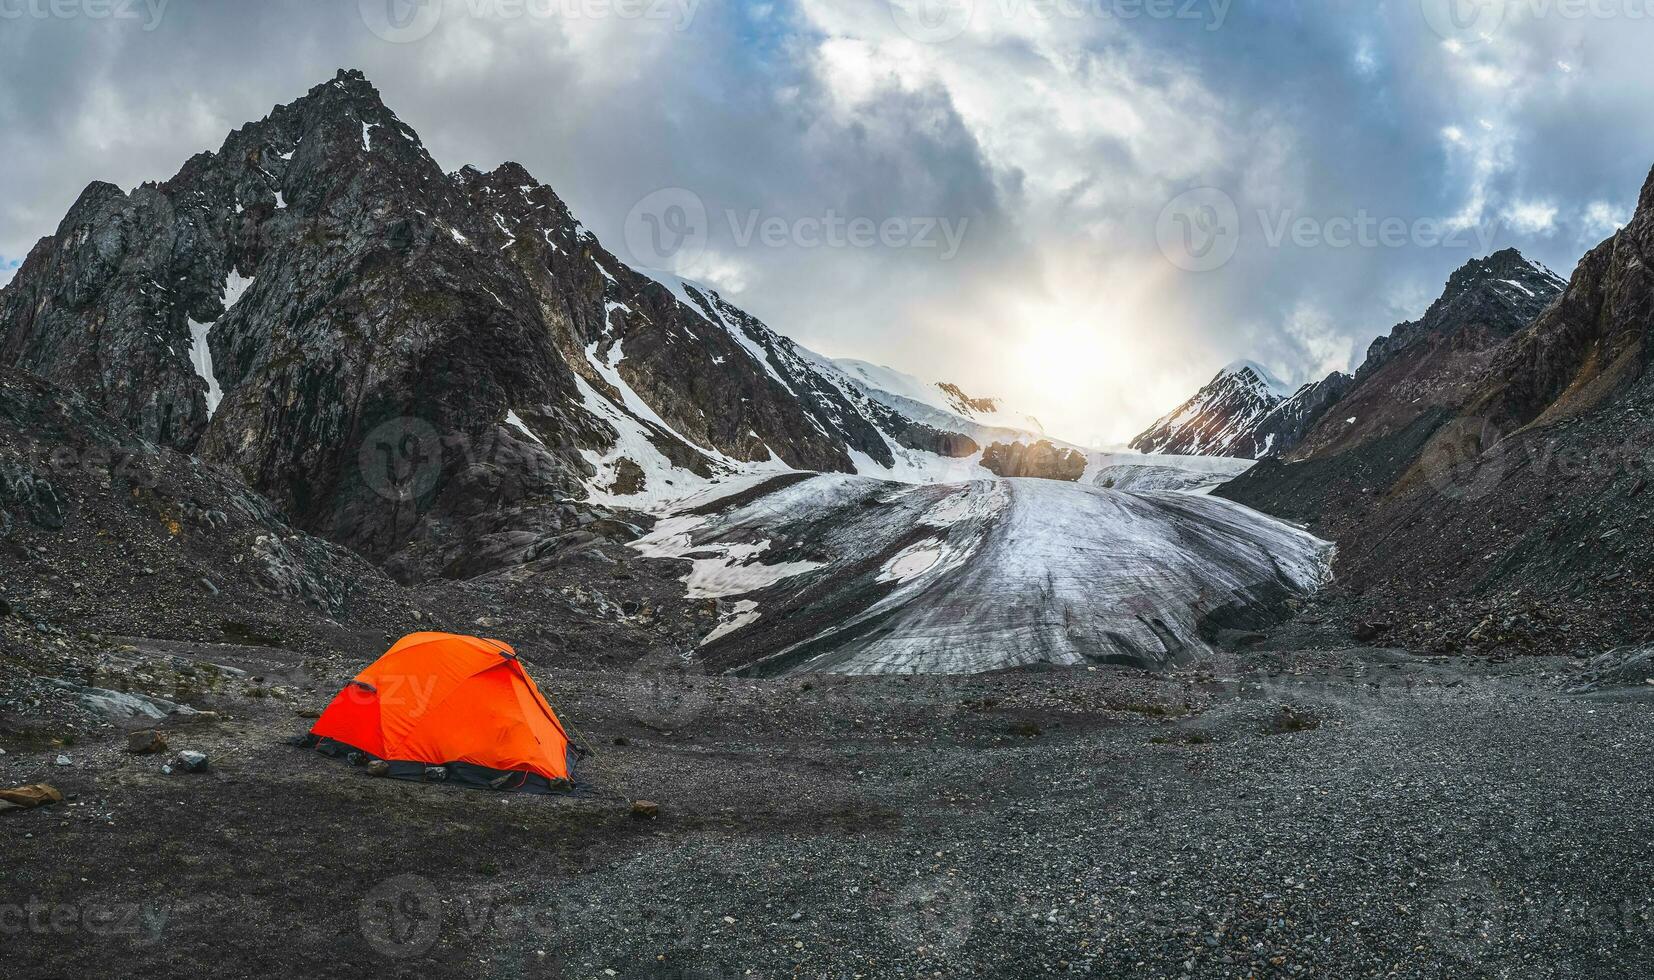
[460, 702]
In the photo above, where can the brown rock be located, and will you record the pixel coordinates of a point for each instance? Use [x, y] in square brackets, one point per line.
[645, 810]
[147, 742]
[28, 797]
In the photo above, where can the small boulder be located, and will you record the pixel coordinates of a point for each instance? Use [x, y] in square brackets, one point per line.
[645, 810]
[190, 760]
[147, 742]
[63, 760]
[31, 796]
[379, 768]
[436, 774]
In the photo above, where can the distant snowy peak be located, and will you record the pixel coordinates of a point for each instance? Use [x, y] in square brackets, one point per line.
[1253, 373]
[1222, 419]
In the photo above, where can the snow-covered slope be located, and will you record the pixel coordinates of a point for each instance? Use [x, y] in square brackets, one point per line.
[889, 424]
[851, 575]
[904, 392]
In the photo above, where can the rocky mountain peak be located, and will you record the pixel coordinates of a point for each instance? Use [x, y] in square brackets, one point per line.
[1486, 299]
[1506, 268]
[965, 403]
[1221, 419]
[398, 357]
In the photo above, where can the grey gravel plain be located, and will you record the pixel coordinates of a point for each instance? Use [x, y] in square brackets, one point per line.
[1360, 813]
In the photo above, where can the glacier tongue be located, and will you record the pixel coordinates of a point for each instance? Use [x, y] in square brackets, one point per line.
[859, 576]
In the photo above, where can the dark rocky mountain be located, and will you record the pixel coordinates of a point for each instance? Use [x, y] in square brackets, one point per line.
[1421, 364]
[1486, 475]
[390, 353]
[1437, 361]
[1283, 427]
[1224, 418]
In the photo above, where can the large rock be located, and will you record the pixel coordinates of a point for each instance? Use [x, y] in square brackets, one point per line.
[1041, 460]
[28, 797]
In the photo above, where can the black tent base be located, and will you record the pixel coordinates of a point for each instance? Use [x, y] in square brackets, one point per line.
[460, 773]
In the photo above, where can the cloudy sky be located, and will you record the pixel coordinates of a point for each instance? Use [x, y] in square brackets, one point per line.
[1084, 206]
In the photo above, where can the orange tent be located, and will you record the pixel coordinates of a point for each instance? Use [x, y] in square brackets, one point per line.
[459, 708]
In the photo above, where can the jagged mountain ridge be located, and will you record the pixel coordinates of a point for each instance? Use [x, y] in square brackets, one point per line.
[1224, 418]
[1434, 362]
[319, 306]
[1240, 413]
[1494, 464]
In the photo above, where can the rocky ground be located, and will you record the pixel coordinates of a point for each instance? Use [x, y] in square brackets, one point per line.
[1274, 811]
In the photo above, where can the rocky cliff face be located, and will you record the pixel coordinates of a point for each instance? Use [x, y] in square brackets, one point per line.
[1412, 383]
[1437, 362]
[1490, 468]
[1040, 460]
[387, 351]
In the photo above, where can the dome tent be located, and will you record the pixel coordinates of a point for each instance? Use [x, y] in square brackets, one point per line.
[457, 702]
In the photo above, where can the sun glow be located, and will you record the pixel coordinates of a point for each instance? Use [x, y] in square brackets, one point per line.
[1074, 346]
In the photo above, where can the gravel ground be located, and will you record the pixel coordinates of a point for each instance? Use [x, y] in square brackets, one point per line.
[1284, 813]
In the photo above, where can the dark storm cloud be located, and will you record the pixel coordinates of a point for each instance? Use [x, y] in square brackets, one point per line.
[1049, 137]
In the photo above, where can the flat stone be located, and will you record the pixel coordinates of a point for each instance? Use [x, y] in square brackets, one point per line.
[32, 795]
